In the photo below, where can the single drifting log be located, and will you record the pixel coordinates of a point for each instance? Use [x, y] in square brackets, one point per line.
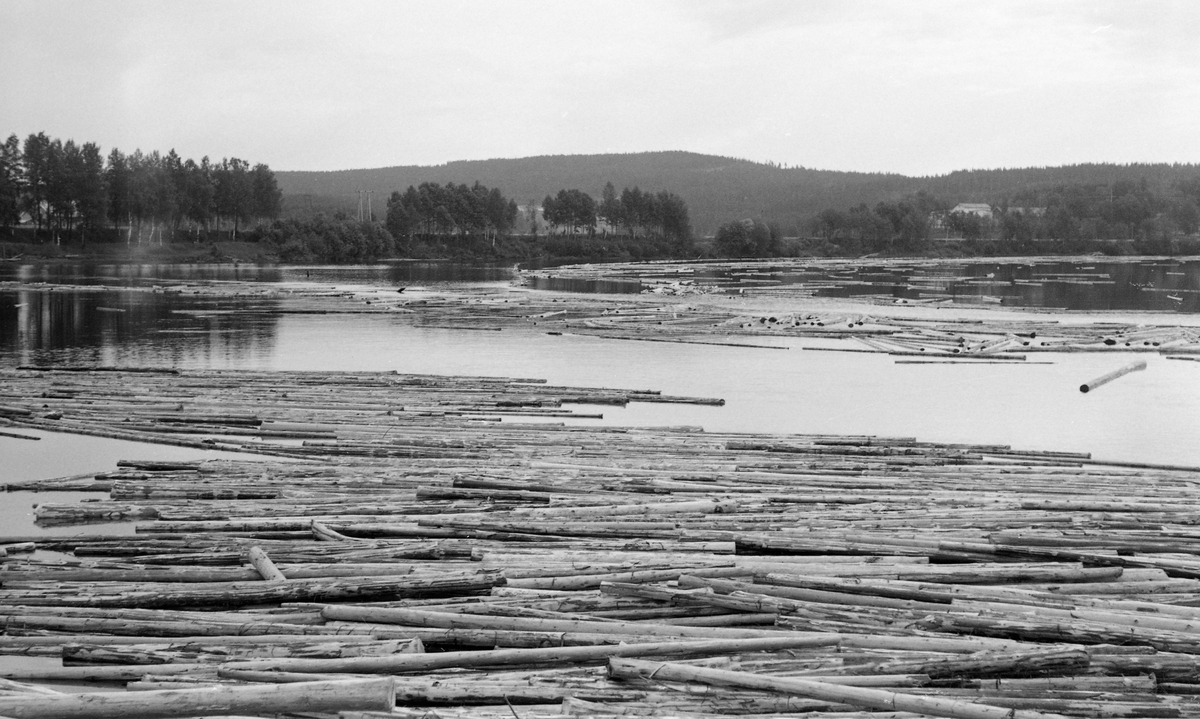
[102, 673]
[235, 594]
[323, 533]
[500, 638]
[136, 628]
[7, 549]
[8, 685]
[264, 566]
[592, 581]
[197, 575]
[407, 663]
[14, 435]
[446, 620]
[331, 696]
[209, 652]
[856, 696]
[985, 664]
[55, 643]
[1106, 378]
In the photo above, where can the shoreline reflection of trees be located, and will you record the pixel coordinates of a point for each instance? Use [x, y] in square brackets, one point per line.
[137, 275]
[133, 329]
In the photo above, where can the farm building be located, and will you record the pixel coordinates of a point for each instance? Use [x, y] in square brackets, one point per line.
[974, 208]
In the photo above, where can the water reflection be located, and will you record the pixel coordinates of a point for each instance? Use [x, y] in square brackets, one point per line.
[66, 323]
[110, 327]
[148, 275]
[137, 275]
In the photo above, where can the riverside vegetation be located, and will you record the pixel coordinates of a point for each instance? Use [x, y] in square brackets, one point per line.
[53, 192]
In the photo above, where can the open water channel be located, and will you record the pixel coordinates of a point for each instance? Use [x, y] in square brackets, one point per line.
[1150, 416]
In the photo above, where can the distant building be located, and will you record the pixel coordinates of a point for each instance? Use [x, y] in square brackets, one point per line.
[980, 209]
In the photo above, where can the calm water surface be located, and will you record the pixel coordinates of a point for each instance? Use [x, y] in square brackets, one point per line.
[393, 273]
[1153, 284]
[1147, 416]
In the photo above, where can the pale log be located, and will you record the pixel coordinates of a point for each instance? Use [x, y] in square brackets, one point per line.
[404, 663]
[445, 620]
[334, 696]
[1109, 377]
[856, 696]
[264, 566]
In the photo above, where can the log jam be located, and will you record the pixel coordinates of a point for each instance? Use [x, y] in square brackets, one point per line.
[422, 528]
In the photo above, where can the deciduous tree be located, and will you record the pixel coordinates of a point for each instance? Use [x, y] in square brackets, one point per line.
[11, 182]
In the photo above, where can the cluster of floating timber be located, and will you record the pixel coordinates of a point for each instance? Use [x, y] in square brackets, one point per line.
[773, 320]
[878, 280]
[706, 283]
[422, 543]
[369, 413]
[722, 323]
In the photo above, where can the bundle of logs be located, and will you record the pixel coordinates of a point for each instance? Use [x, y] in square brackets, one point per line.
[774, 319]
[404, 553]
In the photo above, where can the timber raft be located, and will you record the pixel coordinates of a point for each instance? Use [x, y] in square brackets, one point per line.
[677, 309]
[452, 547]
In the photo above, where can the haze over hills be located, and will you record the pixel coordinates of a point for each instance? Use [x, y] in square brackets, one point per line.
[716, 189]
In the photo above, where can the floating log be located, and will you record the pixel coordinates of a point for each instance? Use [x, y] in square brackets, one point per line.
[354, 694]
[263, 565]
[856, 696]
[425, 618]
[15, 435]
[1110, 376]
[235, 594]
[408, 663]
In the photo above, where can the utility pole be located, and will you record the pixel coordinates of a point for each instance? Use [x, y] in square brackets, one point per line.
[370, 214]
[360, 199]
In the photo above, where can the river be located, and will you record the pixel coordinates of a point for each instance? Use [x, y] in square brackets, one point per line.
[1148, 416]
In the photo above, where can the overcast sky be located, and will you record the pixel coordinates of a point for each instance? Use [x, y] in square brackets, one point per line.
[918, 87]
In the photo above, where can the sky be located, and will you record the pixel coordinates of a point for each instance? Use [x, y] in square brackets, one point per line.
[918, 87]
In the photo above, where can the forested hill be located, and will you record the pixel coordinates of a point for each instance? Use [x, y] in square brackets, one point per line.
[716, 189]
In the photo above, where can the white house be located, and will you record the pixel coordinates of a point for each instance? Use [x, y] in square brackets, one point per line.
[980, 209]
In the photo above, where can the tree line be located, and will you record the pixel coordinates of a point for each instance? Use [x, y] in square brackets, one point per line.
[1123, 210]
[894, 226]
[661, 215]
[338, 239]
[432, 211]
[66, 188]
[1136, 211]
[748, 238]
